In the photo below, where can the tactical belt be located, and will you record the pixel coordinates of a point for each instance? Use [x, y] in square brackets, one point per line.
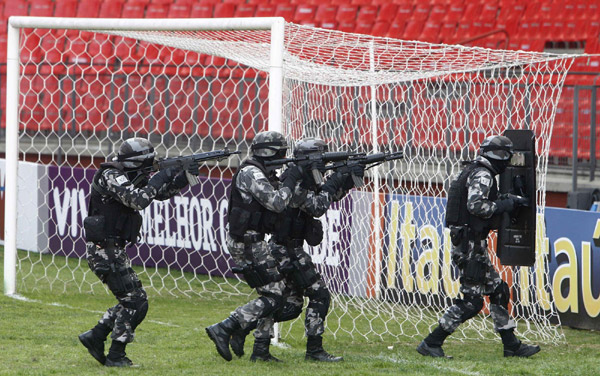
[113, 243]
[292, 243]
[249, 238]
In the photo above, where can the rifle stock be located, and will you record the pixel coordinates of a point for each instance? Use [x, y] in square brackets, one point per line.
[183, 162]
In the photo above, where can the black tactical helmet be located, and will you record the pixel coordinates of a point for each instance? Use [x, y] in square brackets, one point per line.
[136, 154]
[309, 145]
[269, 144]
[498, 148]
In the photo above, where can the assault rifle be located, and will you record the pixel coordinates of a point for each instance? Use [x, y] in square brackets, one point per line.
[326, 157]
[368, 161]
[183, 162]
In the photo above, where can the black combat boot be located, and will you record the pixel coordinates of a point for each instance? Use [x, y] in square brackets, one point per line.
[238, 338]
[315, 351]
[116, 355]
[94, 342]
[432, 344]
[220, 334]
[514, 347]
[261, 351]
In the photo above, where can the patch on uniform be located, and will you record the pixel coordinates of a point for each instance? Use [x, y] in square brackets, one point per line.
[485, 180]
[257, 174]
[121, 179]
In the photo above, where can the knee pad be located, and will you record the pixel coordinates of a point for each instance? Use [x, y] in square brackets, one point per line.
[470, 306]
[288, 312]
[320, 300]
[501, 295]
[271, 302]
[140, 307]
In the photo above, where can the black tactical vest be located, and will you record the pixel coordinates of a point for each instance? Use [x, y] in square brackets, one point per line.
[456, 206]
[242, 216]
[120, 221]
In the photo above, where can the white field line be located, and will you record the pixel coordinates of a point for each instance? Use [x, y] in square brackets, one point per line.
[434, 364]
[54, 304]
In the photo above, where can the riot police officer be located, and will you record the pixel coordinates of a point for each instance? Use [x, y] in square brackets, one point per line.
[255, 201]
[297, 225]
[473, 209]
[120, 189]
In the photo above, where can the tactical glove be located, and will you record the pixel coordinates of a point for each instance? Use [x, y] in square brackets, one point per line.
[180, 180]
[334, 183]
[161, 178]
[293, 175]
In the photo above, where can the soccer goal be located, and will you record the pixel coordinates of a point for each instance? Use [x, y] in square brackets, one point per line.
[77, 87]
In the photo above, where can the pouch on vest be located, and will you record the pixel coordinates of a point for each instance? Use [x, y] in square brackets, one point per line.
[94, 228]
[313, 232]
[239, 220]
[457, 235]
[475, 271]
[255, 275]
[303, 275]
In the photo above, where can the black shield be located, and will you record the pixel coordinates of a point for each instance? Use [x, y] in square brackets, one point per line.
[516, 235]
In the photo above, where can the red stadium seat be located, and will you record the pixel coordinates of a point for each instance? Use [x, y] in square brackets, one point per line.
[133, 10]
[202, 10]
[15, 8]
[157, 11]
[88, 9]
[421, 12]
[329, 24]
[41, 8]
[513, 11]
[346, 13]
[454, 13]
[65, 8]
[265, 10]
[387, 12]
[347, 27]
[396, 29]
[430, 32]
[305, 13]
[413, 30]
[179, 10]
[437, 14]
[245, 10]
[472, 11]
[326, 12]
[405, 12]
[531, 11]
[367, 14]
[447, 32]
[381, 28]
[286, 11]
[224, 10]
[111, 9]
[489, 13]
[363, 28]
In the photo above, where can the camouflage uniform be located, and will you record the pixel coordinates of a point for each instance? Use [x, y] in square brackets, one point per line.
[479, 184]
[314, 204]
[112, 265]
[252, 183]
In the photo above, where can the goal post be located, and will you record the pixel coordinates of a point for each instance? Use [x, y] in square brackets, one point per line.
[77, 87]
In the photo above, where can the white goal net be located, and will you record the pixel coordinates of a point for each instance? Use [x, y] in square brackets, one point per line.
[385, 256]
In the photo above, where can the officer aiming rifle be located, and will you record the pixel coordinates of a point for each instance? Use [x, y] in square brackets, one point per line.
[184, 162]
[316, 162]
[367, 161]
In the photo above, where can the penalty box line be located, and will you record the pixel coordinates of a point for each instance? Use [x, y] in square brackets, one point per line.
[55, 304]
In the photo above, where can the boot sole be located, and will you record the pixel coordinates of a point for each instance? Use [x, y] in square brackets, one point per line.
[213, 338]
[424, 352]
[533, 352]
[101, 358]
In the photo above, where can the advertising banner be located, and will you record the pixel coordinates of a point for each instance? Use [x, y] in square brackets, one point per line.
[403, 255]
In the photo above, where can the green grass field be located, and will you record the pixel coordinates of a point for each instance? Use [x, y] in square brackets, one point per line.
[39, 336]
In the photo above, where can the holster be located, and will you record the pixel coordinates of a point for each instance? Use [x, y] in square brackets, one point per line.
[302, 275]
[475, 271]
[256, 274]
[457, 235]
[94, 228]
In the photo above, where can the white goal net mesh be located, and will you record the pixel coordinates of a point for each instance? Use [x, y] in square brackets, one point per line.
[385, 255]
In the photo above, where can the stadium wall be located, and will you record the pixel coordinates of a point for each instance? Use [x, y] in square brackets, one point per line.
[189, 230]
